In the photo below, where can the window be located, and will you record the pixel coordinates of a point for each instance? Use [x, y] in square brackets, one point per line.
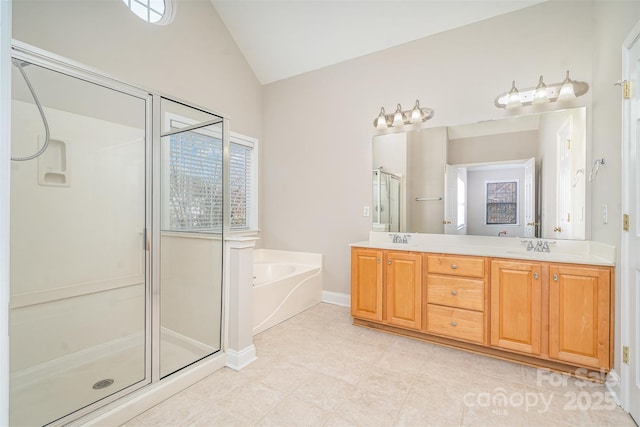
[243, 182]
[502, 202]
[195, 181]
[153, 11]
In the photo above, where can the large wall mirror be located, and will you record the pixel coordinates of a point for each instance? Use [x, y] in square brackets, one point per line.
[521, 176]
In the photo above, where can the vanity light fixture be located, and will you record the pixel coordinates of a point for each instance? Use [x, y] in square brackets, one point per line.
[416, 115]
[541, 94]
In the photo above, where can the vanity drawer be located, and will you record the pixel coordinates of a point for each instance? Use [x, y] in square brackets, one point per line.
[455, 323]
[456, 266]
[456, 292]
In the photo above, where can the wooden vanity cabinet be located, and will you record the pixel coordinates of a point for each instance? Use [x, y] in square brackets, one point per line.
[366, 283]
[516, 306]
[386, 286]
[580, 315]
[403, 289]
[558, 316]
[456, 296]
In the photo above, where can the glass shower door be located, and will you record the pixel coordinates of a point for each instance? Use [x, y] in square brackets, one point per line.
[78, 260]
[191, 245]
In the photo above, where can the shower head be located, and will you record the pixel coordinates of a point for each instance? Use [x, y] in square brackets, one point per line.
[19, 63]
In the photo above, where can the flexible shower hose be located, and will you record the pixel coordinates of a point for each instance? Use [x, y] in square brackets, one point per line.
[18, 64]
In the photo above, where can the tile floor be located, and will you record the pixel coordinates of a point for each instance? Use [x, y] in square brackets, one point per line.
[317, 369]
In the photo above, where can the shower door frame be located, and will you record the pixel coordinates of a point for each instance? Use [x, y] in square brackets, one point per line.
[131, 394]
[69, 68]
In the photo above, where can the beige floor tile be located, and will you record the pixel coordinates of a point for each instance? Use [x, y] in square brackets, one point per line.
[173, 411]
[497, 368]
[369, 409]
[400, 362]
[251, 401]
[324, 391]
[394, 386]
[292, 412]
[214, 416]
[319, 369]
[337, 421]
[411, 416]
[436, 400]
[280, 374]
[218, 384]
[348, 369]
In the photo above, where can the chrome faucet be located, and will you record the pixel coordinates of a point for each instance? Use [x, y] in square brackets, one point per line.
[400, 239]
[529, 244]
[502, 233]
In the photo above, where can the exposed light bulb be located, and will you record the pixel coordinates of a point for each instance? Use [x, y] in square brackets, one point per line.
[381, 121]
[513, 100]
[541, 96]
[567, 91]
[416, 113]
[399, 117]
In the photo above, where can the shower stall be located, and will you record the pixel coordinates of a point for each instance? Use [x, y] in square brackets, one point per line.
[117, 215]
[386, 201]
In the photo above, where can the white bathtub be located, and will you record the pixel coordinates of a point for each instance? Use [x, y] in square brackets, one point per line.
[285, 284]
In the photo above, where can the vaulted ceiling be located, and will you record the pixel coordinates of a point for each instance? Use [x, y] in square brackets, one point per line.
[283, 38]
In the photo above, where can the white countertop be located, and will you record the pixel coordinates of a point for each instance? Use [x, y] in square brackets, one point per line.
[569, 251]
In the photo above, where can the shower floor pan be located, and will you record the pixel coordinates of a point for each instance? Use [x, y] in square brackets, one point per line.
[50, 391]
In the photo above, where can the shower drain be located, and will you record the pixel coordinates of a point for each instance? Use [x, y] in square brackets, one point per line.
[103, 384]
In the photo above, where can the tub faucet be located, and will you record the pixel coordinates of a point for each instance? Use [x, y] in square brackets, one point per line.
[502, 233]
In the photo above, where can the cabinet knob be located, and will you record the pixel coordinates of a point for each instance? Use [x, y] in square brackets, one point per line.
[389, 262]
[535, 275]
[378, 260]
[557, 229]
[445, 222]
[454, 323]
[454, 292]
[454, 266]
[555, 277]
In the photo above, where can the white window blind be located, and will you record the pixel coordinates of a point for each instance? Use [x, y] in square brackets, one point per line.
[195, 184]
[240, 185]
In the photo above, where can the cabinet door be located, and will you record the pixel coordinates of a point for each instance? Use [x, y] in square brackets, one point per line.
[404, 289]
[366, 284]
[516, 293]
[579, 315]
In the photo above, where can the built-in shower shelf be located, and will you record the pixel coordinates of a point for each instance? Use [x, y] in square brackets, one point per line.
[53, 166]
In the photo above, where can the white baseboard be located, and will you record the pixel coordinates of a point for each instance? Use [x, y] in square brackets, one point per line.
[614, 386]
[237, 360]
[336, 298]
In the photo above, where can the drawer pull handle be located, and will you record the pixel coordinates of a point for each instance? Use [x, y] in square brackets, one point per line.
[453, 323]
[454, 292]
[535, 275]
[454, 266]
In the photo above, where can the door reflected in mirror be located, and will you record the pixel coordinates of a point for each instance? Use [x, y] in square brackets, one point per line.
[522, 176]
